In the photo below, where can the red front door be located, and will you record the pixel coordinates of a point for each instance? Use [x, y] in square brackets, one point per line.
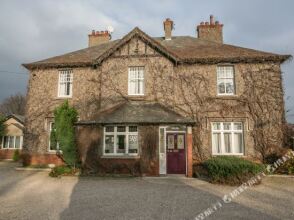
[176, 157]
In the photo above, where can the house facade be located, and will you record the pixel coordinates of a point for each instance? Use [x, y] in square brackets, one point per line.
[13, 139]
[157, 105]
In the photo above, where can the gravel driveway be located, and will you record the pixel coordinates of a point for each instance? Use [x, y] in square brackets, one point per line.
[35, 195]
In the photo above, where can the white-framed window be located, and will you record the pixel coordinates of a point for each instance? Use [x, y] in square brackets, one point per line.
[136, 80]
[120, 140]
[225, 80]
[227, 138]
[53, 146]
[11, 142]
[65, 83]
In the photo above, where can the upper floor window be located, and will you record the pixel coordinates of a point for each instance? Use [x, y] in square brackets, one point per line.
[227, 138]
[65, 83]
[136, 80]
[225, 80]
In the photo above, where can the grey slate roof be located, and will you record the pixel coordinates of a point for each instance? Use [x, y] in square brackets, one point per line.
[182, 49]
[139, 112]
[19, 118]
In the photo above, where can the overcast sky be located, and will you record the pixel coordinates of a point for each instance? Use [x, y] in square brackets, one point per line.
[33, 30]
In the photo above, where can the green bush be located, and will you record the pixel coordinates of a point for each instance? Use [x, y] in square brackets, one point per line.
[231, 170]
[16, 155]
[63, 171]
[63, 132]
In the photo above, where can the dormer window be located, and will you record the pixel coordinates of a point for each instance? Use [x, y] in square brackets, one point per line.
[65, 83]
[136, 80]
[225, 80]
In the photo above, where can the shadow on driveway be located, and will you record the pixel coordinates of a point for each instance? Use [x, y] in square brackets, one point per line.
[35, 195]
[8, 179]
[146, 199]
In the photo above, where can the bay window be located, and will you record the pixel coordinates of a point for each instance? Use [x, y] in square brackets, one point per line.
[11, 142]
[121, 140]
[227, 138]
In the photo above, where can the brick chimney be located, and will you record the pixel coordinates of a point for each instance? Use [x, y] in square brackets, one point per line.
[211, 31]
[98, 37]
[168, 26]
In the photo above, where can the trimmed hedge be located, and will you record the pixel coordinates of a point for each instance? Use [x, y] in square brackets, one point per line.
[231, 170]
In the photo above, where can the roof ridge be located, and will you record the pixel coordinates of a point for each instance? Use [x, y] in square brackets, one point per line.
[181, 49]
[137, 32]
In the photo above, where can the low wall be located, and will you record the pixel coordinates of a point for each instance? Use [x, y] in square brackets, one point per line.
[7, 153]
[40, 159]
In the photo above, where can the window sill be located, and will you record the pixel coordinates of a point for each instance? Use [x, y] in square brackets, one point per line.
[136, 97]
[226, 95]
[62, 98]
[136, 94]
[120, 156]
[54, 151]
[240, 155]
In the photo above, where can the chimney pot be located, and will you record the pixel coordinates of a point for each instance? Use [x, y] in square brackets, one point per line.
[98, 37]
[211, 31]
[168, 25]
[211, 20]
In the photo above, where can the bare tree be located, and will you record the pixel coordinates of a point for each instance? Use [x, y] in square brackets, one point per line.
[2, 125]
[14, 104]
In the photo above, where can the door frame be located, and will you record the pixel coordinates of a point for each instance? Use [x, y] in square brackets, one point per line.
[163, 166]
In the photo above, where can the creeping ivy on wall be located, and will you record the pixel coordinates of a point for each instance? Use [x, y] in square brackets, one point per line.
[63, 132]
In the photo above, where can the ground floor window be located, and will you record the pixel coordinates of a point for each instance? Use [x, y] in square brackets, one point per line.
[121, 140]
[11, 142]
[53, 144]
[227, 138]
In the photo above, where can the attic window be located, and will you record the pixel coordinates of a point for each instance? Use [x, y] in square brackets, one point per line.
[65, 83]
[136, 80]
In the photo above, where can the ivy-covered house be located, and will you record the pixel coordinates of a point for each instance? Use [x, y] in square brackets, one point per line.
[156, 105]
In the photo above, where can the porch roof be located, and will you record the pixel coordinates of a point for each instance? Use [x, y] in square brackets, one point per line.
[138, 112]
